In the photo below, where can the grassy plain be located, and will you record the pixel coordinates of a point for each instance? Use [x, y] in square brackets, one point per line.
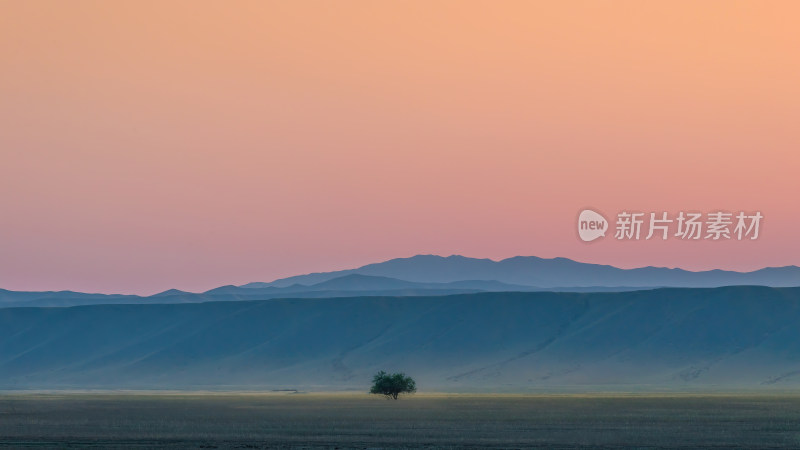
[313, 420]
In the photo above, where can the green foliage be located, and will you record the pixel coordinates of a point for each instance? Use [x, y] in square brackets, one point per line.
[392, 385]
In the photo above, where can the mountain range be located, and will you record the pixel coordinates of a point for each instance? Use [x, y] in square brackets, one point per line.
[543, 273]
[740, 337]
[427, 275]
[454, 323]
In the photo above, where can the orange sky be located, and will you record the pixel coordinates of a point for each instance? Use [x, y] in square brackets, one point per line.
[147, 145]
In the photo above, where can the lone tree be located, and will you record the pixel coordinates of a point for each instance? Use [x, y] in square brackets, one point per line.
[392, 385]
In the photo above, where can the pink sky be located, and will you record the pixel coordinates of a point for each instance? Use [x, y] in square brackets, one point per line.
[154, 145]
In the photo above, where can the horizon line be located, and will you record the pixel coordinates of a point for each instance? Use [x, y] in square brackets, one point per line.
[416, 256]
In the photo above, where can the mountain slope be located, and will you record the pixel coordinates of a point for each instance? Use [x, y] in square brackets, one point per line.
[733, 337]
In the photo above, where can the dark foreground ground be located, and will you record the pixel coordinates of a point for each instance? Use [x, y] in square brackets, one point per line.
[427, 421]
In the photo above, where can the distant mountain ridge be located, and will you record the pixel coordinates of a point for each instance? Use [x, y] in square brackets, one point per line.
[16, 299]
[428, 275]
[535, 272]
[352, 285]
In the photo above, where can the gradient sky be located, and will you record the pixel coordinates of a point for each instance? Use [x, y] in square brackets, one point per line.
[147, 145]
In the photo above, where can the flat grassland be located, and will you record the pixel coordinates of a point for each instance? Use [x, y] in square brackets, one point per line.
[282, 420]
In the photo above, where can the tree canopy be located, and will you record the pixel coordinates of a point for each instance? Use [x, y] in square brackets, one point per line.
[392, 385]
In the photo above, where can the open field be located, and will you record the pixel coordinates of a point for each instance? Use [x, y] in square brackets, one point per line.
[282, 420]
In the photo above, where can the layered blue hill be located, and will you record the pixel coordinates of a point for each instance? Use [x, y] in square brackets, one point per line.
[537, 272]
[344, 286]
[428, 275]
[676, 339]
